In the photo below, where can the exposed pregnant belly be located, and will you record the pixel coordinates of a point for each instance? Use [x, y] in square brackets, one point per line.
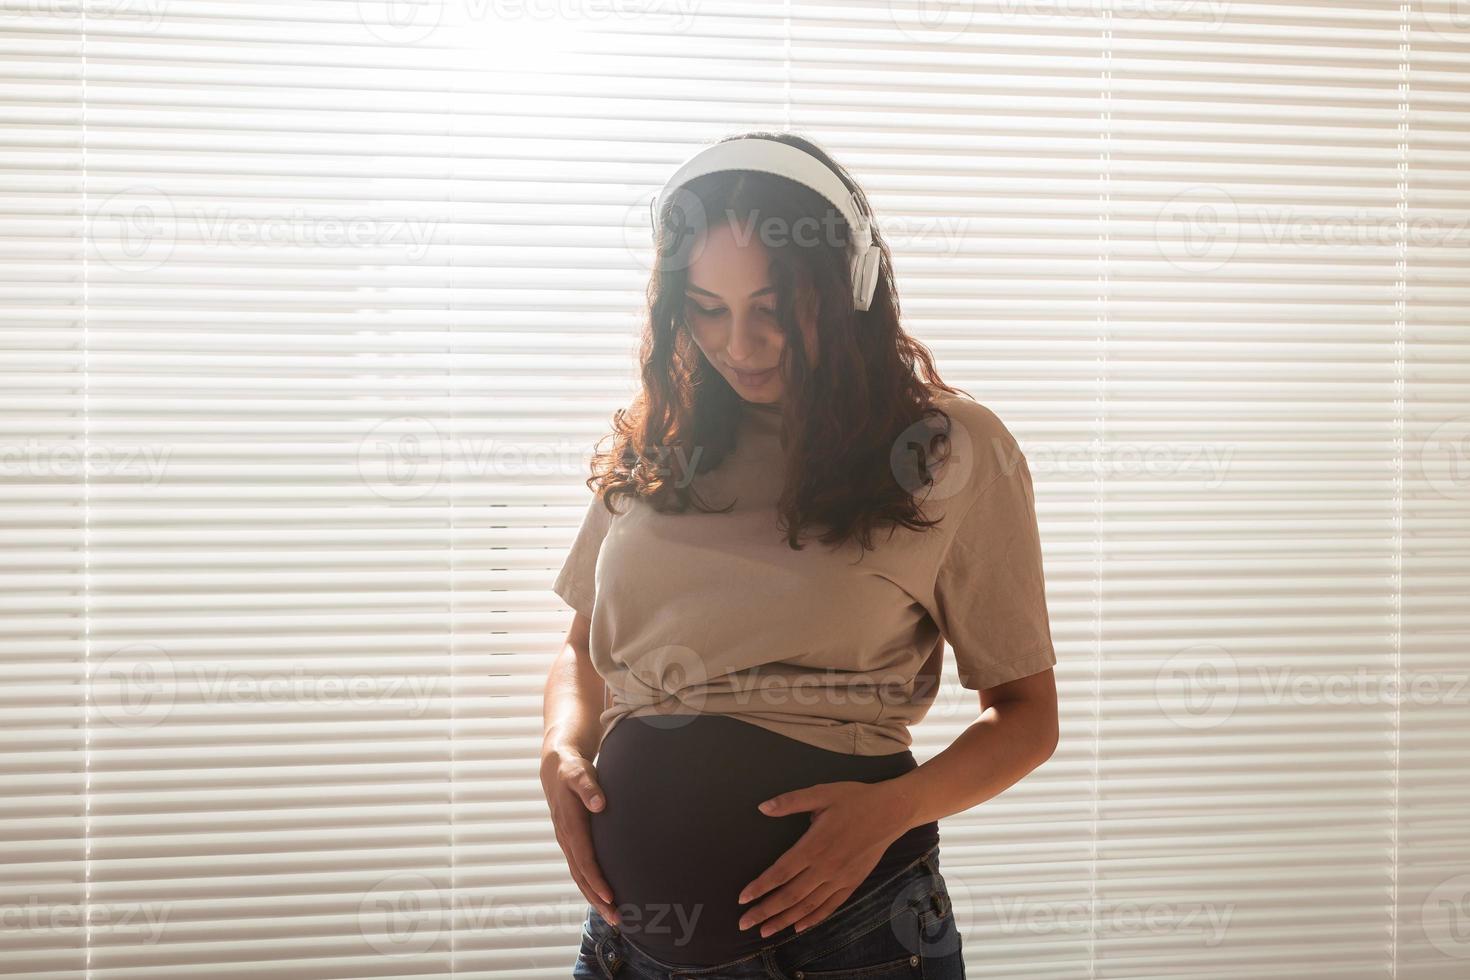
[680, 835]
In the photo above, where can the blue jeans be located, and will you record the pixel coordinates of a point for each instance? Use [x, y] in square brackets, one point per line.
[902, 928]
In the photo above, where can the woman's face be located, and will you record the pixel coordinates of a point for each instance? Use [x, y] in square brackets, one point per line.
[730, 306]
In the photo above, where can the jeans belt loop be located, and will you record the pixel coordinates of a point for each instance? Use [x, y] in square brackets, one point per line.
[937, 897]
[940, 900]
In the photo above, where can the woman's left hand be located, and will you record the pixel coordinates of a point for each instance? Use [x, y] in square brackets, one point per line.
[852, 825]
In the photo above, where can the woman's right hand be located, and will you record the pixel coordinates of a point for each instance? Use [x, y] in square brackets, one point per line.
[570, 784]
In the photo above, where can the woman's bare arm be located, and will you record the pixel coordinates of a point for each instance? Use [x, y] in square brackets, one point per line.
[573, 697]
[571, 730]
[1017, 731]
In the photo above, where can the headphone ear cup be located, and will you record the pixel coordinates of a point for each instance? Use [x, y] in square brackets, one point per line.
[865, 277]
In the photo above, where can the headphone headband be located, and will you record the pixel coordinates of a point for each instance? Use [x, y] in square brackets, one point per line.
[774, 157]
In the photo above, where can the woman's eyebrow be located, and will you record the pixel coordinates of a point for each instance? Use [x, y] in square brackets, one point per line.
[700, 289]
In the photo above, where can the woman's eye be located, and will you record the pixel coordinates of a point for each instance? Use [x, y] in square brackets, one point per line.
[720, 310]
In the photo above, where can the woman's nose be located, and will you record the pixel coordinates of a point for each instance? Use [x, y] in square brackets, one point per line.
[746, 339]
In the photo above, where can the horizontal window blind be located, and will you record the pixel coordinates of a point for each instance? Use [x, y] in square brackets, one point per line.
[314, 312]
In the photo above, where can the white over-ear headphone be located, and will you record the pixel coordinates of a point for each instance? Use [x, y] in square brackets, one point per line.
[783, 159]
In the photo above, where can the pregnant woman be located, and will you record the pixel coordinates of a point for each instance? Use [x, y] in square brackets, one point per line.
[794, 518]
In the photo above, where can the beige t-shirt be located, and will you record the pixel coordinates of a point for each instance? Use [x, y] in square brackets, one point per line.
[715, 613]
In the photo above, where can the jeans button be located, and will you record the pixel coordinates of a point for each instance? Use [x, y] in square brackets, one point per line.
[913, 961]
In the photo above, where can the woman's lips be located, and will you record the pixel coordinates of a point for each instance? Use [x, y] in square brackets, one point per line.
[754, 378]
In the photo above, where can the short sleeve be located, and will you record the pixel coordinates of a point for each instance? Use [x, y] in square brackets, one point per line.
[990, 588]
[576, 583]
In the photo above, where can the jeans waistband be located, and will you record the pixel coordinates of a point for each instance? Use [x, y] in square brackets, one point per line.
[916, 884]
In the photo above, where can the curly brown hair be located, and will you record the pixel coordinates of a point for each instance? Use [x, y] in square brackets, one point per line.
[845, 414]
